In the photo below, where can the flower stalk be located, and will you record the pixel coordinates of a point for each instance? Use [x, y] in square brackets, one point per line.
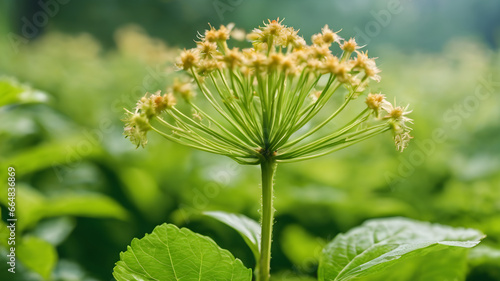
[268, 169]
[275, 102]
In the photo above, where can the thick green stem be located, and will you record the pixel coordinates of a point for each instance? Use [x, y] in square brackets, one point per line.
[268, 167]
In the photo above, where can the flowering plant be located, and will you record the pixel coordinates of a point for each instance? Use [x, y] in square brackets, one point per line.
[267, 106]
[266, 95]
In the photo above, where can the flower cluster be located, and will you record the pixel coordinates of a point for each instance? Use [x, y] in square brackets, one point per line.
[264, 100]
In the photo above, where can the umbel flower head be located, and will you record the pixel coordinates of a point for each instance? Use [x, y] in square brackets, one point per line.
[275, 99]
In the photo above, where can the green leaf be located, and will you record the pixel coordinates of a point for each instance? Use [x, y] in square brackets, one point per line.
[170, 253]
[50, 155]
[37, 255]
[33, 206]
[246, 227]
[382, 243]
[30, 206]
[448, 263]
[86, 205]
[12, 92]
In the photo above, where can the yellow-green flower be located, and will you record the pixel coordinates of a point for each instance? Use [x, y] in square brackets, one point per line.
[265, 99]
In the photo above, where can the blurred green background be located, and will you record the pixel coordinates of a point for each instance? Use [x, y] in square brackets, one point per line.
[68, 68]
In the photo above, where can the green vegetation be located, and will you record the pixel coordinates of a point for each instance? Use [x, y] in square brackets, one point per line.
[84, 192]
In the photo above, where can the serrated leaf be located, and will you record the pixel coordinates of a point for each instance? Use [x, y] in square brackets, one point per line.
[245, 226]
[170, 253]
[447, 263]
[382, 243]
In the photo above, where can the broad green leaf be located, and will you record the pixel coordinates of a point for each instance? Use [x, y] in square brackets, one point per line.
[170, 253]
[37, 255]
[382, 243]
[448, 263]
[246, 227]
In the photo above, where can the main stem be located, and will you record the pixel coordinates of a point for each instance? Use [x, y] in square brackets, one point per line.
[268, 167]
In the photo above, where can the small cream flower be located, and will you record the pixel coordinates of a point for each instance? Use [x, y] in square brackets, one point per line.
[188, 59]
[350, 45]
[399, 124]
[376, 102]
[368, 65]
[398, 114]
[136, 128]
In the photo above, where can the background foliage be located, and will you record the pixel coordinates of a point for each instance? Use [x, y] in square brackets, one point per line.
[84, 192]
